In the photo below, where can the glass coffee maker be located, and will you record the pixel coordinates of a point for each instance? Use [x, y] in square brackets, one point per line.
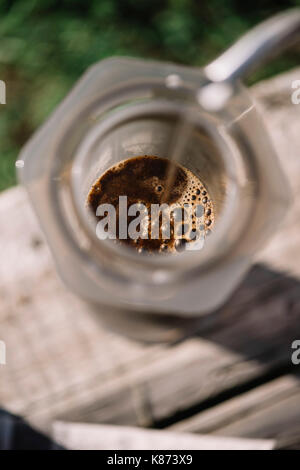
[202, 118]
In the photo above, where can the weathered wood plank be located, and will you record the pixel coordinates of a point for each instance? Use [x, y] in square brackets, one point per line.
[62, 364]
[269, 411]
[106, 437]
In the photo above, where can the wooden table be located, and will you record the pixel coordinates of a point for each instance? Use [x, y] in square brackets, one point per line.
[231, 375]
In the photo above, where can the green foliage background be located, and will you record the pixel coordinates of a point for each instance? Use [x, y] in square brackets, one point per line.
[46, 45]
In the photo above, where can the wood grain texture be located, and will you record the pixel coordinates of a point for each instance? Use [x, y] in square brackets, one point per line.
[62, 364]
[78, 436]
[269, 411]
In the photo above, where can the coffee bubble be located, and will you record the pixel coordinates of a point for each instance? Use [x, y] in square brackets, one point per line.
[143, 180]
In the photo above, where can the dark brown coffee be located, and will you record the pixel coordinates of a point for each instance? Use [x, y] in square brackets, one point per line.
[143, 180]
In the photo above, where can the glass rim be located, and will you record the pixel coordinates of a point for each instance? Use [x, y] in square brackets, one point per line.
[125, 94]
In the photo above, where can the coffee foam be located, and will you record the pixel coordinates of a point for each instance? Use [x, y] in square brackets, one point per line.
[143, 180]
[197, 196]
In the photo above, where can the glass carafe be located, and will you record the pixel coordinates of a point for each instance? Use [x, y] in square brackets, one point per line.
[124, 108]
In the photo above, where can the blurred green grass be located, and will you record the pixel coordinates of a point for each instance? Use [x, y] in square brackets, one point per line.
[46, 46]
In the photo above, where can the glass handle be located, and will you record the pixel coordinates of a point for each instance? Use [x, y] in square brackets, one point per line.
[264, 41]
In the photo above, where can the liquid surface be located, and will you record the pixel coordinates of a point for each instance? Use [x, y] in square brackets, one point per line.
[143, 180]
